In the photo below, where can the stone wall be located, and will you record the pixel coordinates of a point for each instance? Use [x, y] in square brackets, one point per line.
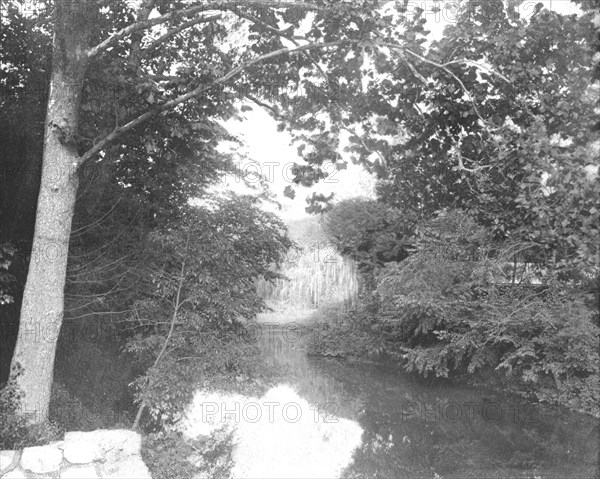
[81, 455]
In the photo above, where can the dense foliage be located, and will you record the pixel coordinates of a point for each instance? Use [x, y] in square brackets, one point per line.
[369, 232]
[460, 305]
[67, 413]
[446, 315]
[172, 456]
[188, 325]
[520, 150]
[498, 167]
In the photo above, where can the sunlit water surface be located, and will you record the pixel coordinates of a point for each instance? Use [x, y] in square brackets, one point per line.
[338, 419]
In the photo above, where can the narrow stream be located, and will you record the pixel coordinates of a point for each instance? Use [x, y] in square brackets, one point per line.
[415, 430]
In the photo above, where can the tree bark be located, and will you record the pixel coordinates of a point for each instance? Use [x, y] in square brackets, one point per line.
[43, 298]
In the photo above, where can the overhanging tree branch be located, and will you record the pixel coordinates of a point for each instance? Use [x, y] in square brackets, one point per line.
[154, 43]
[445, 68]
[118, 132]
[136, 40]
[257, 21]
[219, 5]
[262, 104]
[294, 40]
[142, 25]
[480, 66]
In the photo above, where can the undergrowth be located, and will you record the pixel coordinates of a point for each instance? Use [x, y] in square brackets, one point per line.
[172, 456]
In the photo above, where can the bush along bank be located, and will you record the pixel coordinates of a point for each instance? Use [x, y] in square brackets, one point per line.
[452, 311]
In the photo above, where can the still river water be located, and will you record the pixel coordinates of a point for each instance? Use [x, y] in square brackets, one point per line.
[417, 430]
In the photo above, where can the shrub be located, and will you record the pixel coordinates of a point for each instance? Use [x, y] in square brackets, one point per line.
[166, 455]
[7, 280]
[351, 336]
[13, 430]
[442, 317]
[211, 358]
[450, 309]
[369, 232]
[71, 414]
[171, 456]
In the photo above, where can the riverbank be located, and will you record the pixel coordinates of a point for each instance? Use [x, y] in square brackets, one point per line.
[351, 338]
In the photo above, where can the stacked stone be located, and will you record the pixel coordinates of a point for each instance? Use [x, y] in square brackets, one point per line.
[81, 455]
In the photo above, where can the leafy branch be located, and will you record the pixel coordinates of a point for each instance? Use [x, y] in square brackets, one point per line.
[177, 306]
[118, 132]
[186, 12]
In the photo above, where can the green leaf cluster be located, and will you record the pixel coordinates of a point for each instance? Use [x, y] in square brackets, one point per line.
[199, 294]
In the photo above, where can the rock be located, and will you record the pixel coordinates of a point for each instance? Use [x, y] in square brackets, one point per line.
[80, 472]
[82, 448]
[6, 458]
[57, 444]
[17, 473]
[131, 468]
[88, 455]
[110, 445]
[41, 459]
[124, 440]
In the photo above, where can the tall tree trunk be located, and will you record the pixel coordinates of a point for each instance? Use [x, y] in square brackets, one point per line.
[43, 298]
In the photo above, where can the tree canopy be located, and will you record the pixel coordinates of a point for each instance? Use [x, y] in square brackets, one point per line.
[521, 155]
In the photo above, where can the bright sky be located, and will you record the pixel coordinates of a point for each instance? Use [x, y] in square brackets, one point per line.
[270, 153]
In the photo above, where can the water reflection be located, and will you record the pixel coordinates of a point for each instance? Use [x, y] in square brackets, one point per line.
[414, 430]
[294, 441]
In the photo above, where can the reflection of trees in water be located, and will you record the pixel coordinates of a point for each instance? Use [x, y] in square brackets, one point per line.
[414, 429]
[391, 447]
[310, 376]
[427, 438]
